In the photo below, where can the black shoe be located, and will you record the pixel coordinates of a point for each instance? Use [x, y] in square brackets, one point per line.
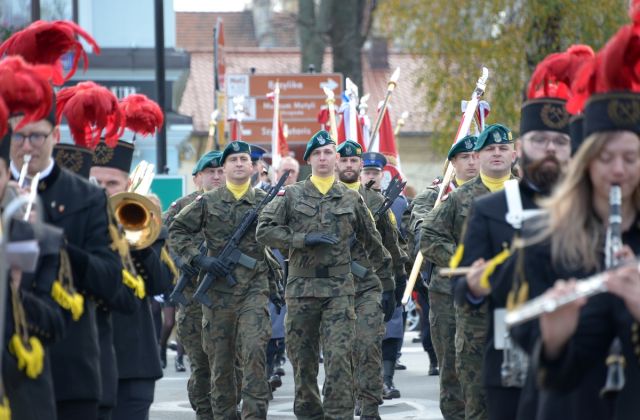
[358, 410]
[400, 366]
[321, 359]
[433, 370]
[279, 371]
[173, 346]
[180, 365]
[389, 392]
[163, 357]
[416, 340]
[275, 382]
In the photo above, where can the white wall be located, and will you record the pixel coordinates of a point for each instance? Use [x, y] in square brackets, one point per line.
[126, 23]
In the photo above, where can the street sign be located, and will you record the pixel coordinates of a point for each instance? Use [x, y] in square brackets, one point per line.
[169, 188]
[260, 131]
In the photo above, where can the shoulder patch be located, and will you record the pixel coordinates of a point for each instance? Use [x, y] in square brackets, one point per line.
[281, 192]
[444, 197]
[199, 197]
[175, 203]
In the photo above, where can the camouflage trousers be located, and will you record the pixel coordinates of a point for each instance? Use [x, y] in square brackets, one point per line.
[471, 335]
[237, 327]
[189, 330]
[367, 351]
[309, 321]
[442, 319]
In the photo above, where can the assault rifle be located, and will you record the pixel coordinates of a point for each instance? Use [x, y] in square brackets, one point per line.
[231, 254]
[187, 272]
[390, 194]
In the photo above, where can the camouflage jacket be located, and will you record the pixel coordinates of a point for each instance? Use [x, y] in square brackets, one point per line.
[389, 236]
[300, 209]
[442, 229]
[216, 214]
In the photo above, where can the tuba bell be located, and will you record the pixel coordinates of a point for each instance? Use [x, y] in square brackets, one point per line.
[139, 217]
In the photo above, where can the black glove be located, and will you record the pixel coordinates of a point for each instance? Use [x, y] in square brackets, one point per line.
[189, 270]
[317, 238]
[277, 301]
[388, 305]
[401, 284]
[212, 265]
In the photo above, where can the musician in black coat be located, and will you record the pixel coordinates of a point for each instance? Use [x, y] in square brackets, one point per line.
[134, 337]
[573, 341]
[543, 149]
[79, 208]
[45, 319]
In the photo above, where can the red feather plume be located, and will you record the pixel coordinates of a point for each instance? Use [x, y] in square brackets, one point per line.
[553, 75]
[143, 116]
[25, 89]
[616, 67]
[4, 118]
[45, 42]
[634, 11]
[92, 112]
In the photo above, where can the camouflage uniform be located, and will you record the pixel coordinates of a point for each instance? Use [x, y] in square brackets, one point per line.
[320, 288]
[238, 321]
[442, 317]
[189, 330]
[441, 231]
[369, 315]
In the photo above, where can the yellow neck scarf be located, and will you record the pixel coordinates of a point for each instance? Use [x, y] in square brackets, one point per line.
[459, 182]
[494, 184]
[353, 185]
[238, 190]
[322, 184]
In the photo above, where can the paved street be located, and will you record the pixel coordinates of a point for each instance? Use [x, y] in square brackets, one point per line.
[419, 392]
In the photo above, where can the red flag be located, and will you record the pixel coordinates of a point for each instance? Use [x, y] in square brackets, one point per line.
[234, 129]
[387, 146]
[342, 136]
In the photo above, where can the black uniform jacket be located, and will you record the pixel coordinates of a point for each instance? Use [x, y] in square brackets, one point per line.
[79, 208]
[45, 320]
[134, 336]
[487, 234]
[603, 318]
[565, 401]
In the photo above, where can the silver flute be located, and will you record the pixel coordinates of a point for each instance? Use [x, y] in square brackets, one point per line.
[584, 288]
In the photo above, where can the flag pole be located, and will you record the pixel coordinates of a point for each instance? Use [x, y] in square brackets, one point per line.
[401, 122]
[393, 81]
[463, 129]
[330, 101]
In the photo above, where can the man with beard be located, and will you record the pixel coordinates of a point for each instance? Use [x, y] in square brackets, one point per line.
[442, 231]
[544, 150]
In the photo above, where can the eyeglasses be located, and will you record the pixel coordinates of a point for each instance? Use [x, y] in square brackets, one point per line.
[543, 142]
[35, 139]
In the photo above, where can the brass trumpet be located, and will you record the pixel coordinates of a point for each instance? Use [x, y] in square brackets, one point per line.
[139, 217]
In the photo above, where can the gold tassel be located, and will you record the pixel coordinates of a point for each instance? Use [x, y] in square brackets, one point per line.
[166, 258]
[454, 262]
[136, 283]
[491, 267]
[72, 302]
[5, 410]
[31, 360]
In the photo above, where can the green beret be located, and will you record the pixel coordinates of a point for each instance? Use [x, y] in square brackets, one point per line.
[321, 138]
[349, 148]
[208, 160]
[237, 146]
[493, 134]
[465, 144]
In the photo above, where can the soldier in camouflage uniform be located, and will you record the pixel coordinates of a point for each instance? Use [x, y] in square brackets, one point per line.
[369, 290]
[238, 320]
[442, 230]
[314, 221]
[207, 175]
[442, 317]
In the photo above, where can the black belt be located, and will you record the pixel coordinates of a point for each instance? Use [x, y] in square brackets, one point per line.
[320, 272]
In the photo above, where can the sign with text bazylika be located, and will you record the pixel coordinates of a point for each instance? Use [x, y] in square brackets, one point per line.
[301, 98]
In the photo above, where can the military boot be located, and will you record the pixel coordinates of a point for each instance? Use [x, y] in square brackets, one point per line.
[389, 391]
[433, 363]
[179, 364]
[163, 357]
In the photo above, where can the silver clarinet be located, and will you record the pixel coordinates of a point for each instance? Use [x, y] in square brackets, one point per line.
[584, 288]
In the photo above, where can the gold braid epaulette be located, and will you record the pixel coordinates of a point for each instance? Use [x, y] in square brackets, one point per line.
[136, 283]
[166, 258]
[28, 351]
[62, 290]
